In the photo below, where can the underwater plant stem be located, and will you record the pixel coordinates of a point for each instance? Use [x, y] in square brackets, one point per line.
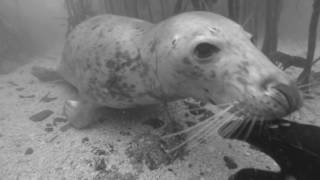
[178, 7]
[234, 10]
[304, 77]
[270, 43]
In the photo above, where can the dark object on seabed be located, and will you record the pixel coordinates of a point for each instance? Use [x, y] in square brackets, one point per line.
[285, 60]
[295, 147]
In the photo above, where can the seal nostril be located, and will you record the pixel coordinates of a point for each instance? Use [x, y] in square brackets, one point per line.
[268, 83]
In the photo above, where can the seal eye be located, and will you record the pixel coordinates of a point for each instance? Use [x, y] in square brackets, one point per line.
[205, 50]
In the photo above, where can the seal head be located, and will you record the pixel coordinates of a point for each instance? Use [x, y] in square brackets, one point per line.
[211, 58]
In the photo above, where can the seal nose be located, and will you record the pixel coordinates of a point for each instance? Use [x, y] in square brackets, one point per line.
[289, 90]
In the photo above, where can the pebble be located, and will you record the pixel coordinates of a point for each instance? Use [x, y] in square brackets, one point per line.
[47, 99]
[155, 123]
[59, 120]
[230, 163]
[40, 116]
[99, 164]
[28, 151]
[48, 129]
[20, 89]
[65, 128]
[27, 96]
[85, 140]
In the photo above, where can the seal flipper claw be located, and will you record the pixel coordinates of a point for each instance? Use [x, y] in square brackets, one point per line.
[80, 114]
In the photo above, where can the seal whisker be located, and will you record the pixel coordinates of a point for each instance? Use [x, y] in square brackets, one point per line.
[248, 126]
[310, 109]
[225, 105]
[240, 127]
[229, 129]
[209, 130]
[236, 129]
[203, 135]
[299, 115]
[243, 123]
[312, 84]
[309, 95]
[217, 126]
[251, 126]
[191, 138]
[199, 132]
[198, 125]
[218, 123]
[260, 125]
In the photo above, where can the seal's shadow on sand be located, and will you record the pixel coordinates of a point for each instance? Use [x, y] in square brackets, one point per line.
[150, 117]
[295, 147]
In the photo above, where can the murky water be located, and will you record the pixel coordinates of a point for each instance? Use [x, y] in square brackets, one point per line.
[37, 141]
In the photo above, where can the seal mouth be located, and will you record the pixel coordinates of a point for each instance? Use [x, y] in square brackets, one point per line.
[277, 101]
[292, 96]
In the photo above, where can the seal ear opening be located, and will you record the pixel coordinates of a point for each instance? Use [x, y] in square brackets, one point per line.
[205, 50]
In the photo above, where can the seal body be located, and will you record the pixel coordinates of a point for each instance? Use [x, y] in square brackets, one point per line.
[103, 59]
[123, 62]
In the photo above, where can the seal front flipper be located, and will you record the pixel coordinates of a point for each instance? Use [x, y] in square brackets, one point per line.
[46, 74]
[80, 113]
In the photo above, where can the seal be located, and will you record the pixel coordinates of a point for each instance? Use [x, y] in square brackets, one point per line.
[123, 62]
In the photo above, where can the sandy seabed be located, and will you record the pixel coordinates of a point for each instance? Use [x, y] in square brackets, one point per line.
[46, 147]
